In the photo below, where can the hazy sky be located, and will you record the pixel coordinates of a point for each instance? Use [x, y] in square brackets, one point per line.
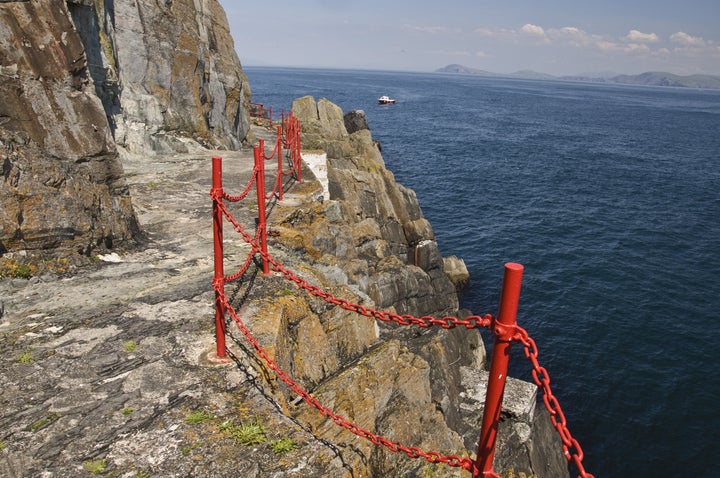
[556, 36]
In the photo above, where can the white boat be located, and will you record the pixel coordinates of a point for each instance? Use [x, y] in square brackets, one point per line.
[386, 100]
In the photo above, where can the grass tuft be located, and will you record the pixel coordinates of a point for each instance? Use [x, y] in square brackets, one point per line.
[198, 416]
[283, 446]
[95, 467]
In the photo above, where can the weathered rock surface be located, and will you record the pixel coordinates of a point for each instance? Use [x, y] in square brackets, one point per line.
[63, 184]
[456, 270]
[108, 367]
[355, 121]
[82, 77]
[165, 69]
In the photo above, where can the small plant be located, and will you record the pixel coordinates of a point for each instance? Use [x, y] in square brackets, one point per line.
[26, 357]
[283, 445]
[42, 422]
[127, 410]
[14, 269]
[428, 471]
[188, 449]
[3, 445]
[143, 474]
[95, 467]
[199, 416]
[130, 346]
[250, 434]
[247, 434]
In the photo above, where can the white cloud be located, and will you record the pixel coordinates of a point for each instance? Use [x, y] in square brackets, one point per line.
[610, 46]
[637, 36]
[571, 36]
[637, 47]
[534, 30]
[687, 40]
[572, 31]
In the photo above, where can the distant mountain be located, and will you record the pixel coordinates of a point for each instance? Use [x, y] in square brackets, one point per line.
[651, 78]
[660, 78]
[464, 70]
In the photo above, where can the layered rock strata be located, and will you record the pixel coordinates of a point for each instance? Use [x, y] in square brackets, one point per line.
[62, 184]
[86, 81]
[165, 71]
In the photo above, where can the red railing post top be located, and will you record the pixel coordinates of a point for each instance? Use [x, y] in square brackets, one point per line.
[514, 266]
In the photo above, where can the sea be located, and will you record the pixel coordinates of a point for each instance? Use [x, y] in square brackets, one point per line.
[609, 195]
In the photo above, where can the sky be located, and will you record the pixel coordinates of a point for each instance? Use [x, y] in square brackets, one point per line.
[558, 37]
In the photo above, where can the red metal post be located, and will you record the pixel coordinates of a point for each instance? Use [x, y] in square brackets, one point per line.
[503, 329]
[260, 186]
[278, 144]
[218, 257]
[298, 157]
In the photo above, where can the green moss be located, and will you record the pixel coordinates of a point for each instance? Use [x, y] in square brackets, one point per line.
[43, 422]
[95, 467]
[509, 472]
[188, 449]
[13, 268]
[26, 357]
[247, 433]
[198, 416]
[283, 446]
[130, 346]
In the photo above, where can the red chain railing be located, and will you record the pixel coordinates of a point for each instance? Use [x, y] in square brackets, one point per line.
[504, 328]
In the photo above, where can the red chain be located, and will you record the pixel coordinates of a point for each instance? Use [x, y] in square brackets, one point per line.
[218, 195]
[246, 264]
[571, 447]
[272, 155]
[412, 452]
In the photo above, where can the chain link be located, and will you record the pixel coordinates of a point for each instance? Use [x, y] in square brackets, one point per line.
[570, 446]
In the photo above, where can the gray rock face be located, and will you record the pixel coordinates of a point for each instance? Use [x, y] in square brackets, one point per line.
[372, 219]
[62, 185]
[355, 121]
[80, 79]
[456, 270]
[165, 67]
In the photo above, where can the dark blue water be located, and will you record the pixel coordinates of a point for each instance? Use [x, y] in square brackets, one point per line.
[610, 197]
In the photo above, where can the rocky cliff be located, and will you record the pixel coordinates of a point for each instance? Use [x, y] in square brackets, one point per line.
[370, 241]
[86, 80]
